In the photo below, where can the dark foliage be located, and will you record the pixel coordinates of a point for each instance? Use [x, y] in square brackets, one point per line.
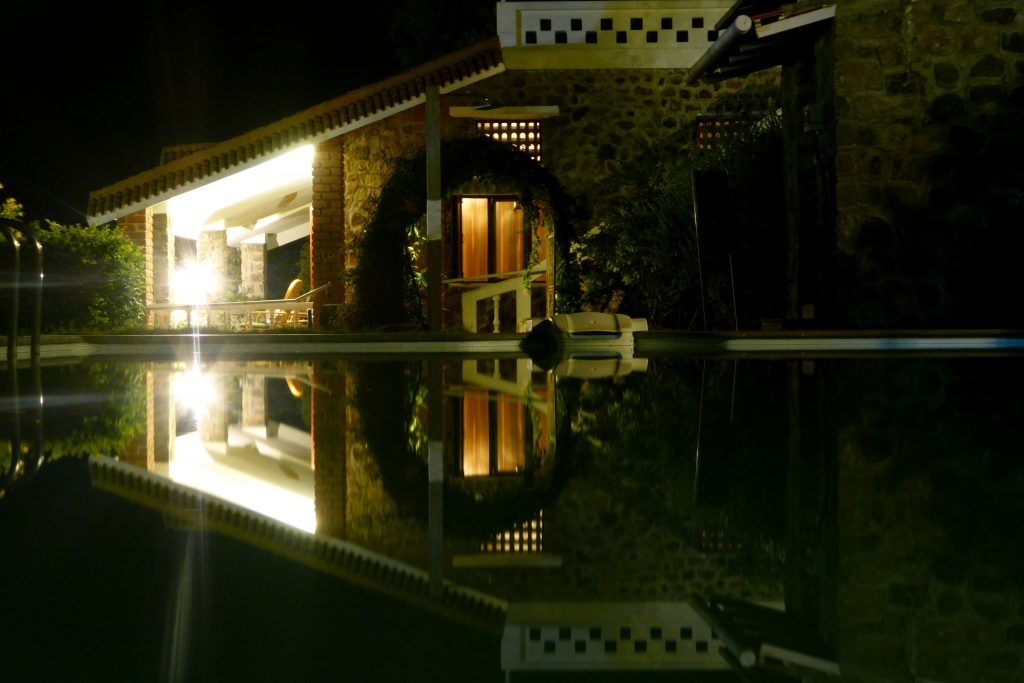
[646, 257]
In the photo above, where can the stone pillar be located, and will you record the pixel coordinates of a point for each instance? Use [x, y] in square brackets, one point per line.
[254, 269]
[163, 267]
[138, 227]
[327, 240]
[212, 252]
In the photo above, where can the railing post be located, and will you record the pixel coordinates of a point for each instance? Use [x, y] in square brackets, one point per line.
[7, 227]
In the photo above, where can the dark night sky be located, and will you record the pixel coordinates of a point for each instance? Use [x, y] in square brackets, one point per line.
[93, 91]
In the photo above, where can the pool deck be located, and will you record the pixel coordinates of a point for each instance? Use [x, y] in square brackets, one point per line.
[646, 344]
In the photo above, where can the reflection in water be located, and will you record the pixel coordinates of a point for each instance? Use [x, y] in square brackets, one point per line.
[578, 511]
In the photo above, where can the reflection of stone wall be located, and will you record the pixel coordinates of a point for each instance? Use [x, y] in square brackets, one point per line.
[926, 590]
[609, 552]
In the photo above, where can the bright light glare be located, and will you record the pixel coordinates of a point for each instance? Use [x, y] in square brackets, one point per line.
[193, 391]
[189, 212]
[193, 283]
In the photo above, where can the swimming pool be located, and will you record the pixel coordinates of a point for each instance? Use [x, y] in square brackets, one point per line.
[477, 515]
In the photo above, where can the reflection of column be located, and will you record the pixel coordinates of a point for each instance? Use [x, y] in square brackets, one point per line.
[163, 267]
[139, 451]
[212, 252]
[435, 475]
[254, 401]
[161, 418]
[213, 426]
[330, 451]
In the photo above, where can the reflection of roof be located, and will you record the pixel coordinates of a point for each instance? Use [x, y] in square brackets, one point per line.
[338, 558]
[321, 122]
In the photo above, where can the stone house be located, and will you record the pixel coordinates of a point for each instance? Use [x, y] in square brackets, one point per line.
[897, 115]
[582, 87]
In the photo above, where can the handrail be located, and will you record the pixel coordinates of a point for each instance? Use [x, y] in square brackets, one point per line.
[513, 283]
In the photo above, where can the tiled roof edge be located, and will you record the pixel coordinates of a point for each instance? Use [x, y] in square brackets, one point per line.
[345, 560]
[328, 119]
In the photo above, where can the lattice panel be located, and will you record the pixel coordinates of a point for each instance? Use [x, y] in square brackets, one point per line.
[523, 135]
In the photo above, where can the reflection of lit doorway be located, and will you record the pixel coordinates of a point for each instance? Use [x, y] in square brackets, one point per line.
[491, 237]
[494, 433]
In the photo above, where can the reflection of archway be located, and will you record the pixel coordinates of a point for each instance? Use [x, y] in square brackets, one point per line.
[386, 293]
[386, 395]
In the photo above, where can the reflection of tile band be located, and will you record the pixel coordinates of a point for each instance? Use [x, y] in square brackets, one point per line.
[338, 558]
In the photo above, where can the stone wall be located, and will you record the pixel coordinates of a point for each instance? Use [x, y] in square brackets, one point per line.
[607, 119]
[610, 118]
[928, 100]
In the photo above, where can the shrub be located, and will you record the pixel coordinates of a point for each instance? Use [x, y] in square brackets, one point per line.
[94, 279]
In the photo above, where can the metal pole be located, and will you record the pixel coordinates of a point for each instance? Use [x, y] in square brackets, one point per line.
[735, 32]
[696, 233]
[433, 142]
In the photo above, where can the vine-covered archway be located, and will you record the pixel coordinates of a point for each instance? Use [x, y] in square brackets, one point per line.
[387, 293]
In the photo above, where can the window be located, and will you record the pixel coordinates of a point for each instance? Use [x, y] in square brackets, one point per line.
[491, 237]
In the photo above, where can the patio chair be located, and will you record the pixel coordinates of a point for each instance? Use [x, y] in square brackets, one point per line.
[290, 318]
